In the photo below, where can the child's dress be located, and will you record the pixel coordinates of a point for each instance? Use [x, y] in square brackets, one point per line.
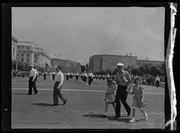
[110, 94]
[137, 99]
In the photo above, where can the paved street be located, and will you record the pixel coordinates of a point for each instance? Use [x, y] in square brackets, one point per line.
[84, 108]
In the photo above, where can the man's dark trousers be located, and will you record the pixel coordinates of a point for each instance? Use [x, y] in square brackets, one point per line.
[121, 95]
[32, 84]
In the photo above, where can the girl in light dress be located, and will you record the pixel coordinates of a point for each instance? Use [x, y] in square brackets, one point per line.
[138, 99]
[110, 95]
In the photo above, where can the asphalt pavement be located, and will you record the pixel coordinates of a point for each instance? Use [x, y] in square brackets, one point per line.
[83, 110]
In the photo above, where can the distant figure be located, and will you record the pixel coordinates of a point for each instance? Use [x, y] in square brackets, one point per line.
[32, 80]
[85, 77]
[57, 87]
[138, 99]
[67, 76]
[90, 77]
[157, 81]
[107, 77]
[110, 95]
[45, 74]
[53, 75]
[77, 75]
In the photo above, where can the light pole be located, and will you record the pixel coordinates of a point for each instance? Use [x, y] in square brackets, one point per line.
[130, 60]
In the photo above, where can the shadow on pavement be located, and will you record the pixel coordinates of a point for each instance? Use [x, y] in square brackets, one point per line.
[95, 115]
[111, 118]
[45, 104]
[21, 94]
[122, 118]
[140, 120]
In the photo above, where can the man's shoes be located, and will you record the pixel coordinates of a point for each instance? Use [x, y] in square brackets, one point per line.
[55, 105]
[129, 113]
[115, 117]
[35, 92]
[64, 102]
[29, 93]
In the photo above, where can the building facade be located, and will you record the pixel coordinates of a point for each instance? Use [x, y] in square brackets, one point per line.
[66, 65]
[14, 42]
[140, 62]
[108, 62]
[31, 53]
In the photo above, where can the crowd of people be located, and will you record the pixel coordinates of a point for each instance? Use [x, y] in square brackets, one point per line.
[118, 87]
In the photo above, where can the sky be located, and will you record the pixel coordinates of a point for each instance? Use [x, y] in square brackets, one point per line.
[77, 33]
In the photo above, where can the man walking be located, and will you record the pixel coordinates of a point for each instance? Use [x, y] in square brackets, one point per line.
[32, 80]
[57, 87]
[90, 77]
[123, 79]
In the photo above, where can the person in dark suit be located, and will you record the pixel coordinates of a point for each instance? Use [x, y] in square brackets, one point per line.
[123, 79]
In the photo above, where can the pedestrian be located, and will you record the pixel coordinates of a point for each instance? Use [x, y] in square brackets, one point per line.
[45, 74]
[77, 76]
[107, 77]
[58, 87]
[32, 81]
[90, 77]
[85, 77]
[110, 96]
[53, 74]
[67, 76]
[157, 81]
[138, 99]
[123, 79]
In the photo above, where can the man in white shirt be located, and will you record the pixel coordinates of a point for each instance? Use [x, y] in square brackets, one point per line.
[77, 76]
[57, 87]
[123, 79]
[90, 77]
[32, 80]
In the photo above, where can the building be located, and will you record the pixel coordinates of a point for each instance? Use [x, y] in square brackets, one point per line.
[140, 62]
[108, 62]
[66, 65]
[14, 48]
[31, 53]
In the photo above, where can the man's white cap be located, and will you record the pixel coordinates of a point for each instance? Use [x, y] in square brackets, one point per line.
[120, 64]
[32, 65]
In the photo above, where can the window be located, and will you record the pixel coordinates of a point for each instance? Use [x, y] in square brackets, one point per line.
[18, 54]
[27, 60]
[22, 55]
[22, 59]
[27, 55]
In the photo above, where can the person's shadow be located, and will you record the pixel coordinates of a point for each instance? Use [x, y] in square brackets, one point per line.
[111, 118]
[45, 104]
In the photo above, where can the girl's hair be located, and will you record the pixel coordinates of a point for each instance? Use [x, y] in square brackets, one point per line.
[136, 79]
[111, 82]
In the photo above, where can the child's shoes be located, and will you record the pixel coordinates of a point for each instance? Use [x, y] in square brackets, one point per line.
[132, 120]
[146, 117]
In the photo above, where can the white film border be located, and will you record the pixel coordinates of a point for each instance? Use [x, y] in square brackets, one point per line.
[169, 68]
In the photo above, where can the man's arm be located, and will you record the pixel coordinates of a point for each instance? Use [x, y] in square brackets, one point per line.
[34, 73]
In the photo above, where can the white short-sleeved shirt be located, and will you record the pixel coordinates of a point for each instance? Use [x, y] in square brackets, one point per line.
[32, 72]
[90, 75]
[60, 77]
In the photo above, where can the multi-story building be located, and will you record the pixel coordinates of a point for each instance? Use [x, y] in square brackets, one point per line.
[140, 62]
[14, 48]
[108, 62]
[31, 53]
[67, 65]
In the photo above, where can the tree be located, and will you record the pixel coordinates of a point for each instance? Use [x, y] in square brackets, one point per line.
[13, 64]
[23, 66]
